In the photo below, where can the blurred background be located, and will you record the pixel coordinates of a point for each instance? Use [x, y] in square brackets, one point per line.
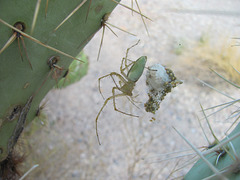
[186, 36]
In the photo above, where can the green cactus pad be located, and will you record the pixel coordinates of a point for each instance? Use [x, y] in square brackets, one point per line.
[18, 81]
[228, 164]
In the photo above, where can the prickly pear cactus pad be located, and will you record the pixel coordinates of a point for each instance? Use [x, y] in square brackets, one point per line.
[36, 49]
[227, 164]
[160, 81]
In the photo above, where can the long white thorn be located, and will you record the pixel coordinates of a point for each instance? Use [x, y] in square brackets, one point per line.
[215, 89]
[132, 10]
[9, 42]
[35, 16]
[29, 171]
[39, 42]
[75, 10]
[142, 17]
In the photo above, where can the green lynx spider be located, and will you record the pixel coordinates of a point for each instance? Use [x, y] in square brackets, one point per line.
[127, 82]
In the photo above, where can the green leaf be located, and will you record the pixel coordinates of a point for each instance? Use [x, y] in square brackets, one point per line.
[75, 71]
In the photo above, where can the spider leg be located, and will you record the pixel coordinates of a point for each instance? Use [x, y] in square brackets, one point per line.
[135, 97]
[99, 86]
[132, 102]
[115, 108]
[111, 75]
[126, 67]
[105, 103]
[124, 60]
[114, 103]
[122, 80]
[128, 49]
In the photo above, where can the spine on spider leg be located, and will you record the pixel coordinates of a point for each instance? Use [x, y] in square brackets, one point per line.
[227, 163]
[31, 33]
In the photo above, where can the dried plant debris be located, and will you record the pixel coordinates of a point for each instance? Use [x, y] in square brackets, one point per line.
[160, 81]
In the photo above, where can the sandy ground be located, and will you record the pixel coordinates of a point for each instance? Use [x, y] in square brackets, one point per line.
[131, 147]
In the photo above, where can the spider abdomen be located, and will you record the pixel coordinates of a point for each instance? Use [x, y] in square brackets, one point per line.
[137, 68]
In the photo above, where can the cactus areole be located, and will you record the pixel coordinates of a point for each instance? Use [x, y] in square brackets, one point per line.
[31, 33]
